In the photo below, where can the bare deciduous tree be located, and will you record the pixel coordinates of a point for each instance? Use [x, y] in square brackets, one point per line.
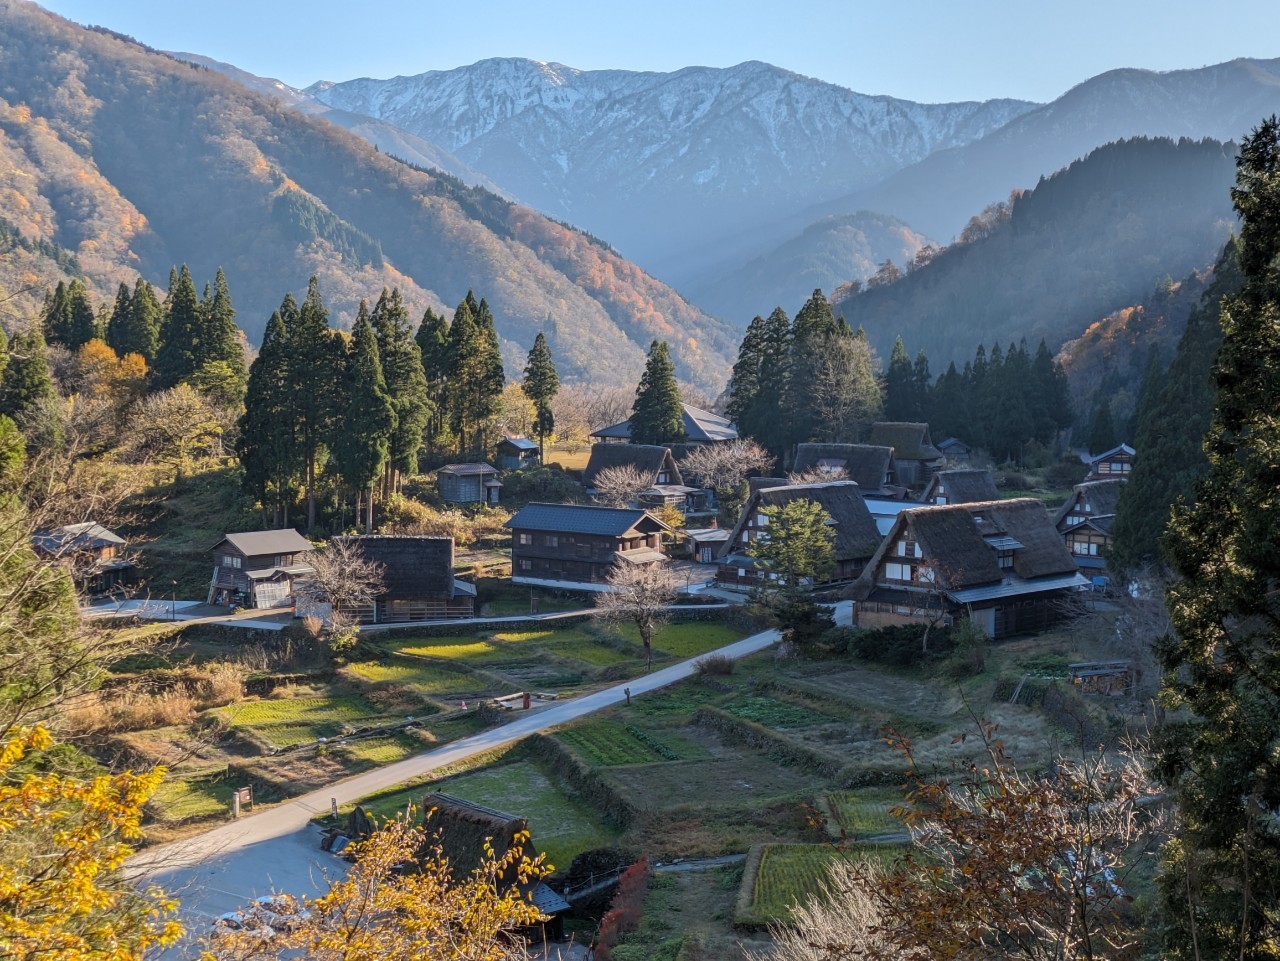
[344, 580]
[639, 595]
[726, 465]
[619, 486]
[817, 475]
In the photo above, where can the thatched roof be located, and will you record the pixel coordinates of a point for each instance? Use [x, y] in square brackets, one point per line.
[1102, 496]
[648, 460]
[963, 486]
[414, 567]
[465, 827]
[760, 483]
[856, 533]
[909, 441]
[869, 465]
[960, 542]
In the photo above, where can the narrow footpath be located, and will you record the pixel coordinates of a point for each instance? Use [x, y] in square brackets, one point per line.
[279, 848]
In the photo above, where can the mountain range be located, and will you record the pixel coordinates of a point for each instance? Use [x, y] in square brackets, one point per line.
[744, 188]
[708, 177]
[123, 160]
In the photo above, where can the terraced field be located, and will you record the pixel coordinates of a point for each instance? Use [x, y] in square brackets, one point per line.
[288, 722]
[785, 873]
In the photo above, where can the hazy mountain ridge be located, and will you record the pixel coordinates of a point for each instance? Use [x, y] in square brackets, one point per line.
[825, 255]
[133, 161]
[938, 194]
[660, 163]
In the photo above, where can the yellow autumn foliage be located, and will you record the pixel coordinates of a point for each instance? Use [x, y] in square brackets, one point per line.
[63, 842]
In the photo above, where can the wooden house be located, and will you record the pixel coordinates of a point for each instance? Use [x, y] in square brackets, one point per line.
[517, 453]
[257, 568]
[466, 829]
[705, 543]
[961, 487]
[954, 450]
[869, 465]
[91, 554]
[575, 546]
[999, 563]
[700, 427]
[468, 483]
[1114, 464]
[655, 465]
[856, 536]
[1085, 522]
[418, 581]
[914, 456]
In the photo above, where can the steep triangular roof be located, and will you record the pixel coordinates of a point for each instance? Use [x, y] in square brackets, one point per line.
[856, 533]
[960, 543]
[1102, 496]
[910, 441]
[869, 465]
[649, 460]
[962, 486]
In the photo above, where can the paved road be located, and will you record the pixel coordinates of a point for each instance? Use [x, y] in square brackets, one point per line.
[279, 849]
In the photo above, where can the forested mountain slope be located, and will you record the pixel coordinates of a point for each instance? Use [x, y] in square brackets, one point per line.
[937, 195]
[1093, 238]
[133, 161]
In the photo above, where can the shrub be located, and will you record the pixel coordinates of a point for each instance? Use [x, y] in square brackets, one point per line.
[222, 684]
[902, 645]
[625, 911]
[1067, 472]
[1013, 481]
[969, 656]
[714, 664]
[549, 484]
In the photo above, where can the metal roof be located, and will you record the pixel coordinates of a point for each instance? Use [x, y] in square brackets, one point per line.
[75, 537]
[642, 555]
[520, 443]
[1012, 587]
[260, 543]
[579, 519]
[465, 588]
[699, 426]
[1003, 543]
[467, 470]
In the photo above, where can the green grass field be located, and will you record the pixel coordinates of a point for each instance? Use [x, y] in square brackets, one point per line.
[560, 826]
[611, 743]
[418, 676]
[773, 713]
[793, 872]
[180, 799]
[865, 812]
[687, 640]
[287, 722]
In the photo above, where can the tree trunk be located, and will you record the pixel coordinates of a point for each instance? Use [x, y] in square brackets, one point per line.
[368, 510]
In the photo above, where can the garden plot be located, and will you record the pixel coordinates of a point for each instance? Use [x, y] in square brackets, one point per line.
[423, 678]
[613, 743]
[894, 694]
[732, 780]
[863, 813]
[291, 721]
[560, 826]
[775, 713]
[779, 875]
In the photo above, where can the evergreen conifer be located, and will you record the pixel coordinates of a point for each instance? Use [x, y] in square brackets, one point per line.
[541, 384]
[657, 417]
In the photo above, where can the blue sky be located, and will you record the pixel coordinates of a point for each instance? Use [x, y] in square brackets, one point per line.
[930, 50]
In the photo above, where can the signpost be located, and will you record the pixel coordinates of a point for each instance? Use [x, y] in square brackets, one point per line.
[241, 796]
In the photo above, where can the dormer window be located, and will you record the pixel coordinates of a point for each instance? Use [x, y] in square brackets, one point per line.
[1005, 560]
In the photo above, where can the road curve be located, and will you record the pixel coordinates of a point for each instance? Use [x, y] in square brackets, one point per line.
[278, 849]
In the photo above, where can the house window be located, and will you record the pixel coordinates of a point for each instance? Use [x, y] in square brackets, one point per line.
[897, 572]
[664, 478]
[553, 540]
[231, 560]
[524, 539]
[1005, 559]
[526, 565]
[762, 520]
[907, 547]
